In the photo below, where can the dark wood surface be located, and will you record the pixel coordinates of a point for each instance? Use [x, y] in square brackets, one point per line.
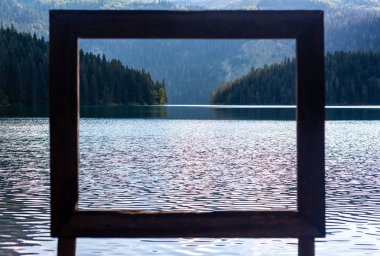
[214, 224]
[186, 24]
[66, 246]
[310, 124]
[306, 247]
[64, 120]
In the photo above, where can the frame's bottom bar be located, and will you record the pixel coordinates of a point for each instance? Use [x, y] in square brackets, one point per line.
[214, 224]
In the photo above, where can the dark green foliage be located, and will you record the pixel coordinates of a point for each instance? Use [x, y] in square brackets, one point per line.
[24, 76]
[268, 85]
[23, 68]
[105, 82]
[351, 78]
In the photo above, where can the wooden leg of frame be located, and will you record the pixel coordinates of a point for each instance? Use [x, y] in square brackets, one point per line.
[306, 247]
[66, 246]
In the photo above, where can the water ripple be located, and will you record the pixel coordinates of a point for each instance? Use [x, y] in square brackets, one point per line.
[192, 166]
[187, 165]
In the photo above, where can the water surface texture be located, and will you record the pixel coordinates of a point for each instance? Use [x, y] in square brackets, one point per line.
[190, 165]
[187, 165]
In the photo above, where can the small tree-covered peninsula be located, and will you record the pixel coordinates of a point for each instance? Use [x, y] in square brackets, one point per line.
[24, 76]
[352, 78]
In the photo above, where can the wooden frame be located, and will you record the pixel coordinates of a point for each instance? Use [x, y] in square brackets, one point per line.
[68, 222]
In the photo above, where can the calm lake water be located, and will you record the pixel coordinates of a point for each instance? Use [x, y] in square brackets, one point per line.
[209, 163]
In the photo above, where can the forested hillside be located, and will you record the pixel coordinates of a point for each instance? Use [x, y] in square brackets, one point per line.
[192, 69]
[352, 78]
[24, 76]
[105, 82]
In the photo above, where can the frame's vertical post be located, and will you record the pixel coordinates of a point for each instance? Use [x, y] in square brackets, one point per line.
[306, 247]
[310, 124]
[66, 246]
[64, 120]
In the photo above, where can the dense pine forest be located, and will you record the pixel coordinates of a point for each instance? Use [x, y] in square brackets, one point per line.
[105, 82]
[352, 78]
[24, 76]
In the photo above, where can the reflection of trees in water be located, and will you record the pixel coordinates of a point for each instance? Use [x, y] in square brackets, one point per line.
[353, 114]
[255, 113]
[197, 112]
[124, 112]
[290, 113]
[24, 112]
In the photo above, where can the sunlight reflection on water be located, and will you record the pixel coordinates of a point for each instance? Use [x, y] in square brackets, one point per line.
[187, 165]
[352, 176]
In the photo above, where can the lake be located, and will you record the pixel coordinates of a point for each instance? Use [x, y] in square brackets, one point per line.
[191, 158]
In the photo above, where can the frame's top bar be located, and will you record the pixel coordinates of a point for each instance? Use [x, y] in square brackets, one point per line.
[184, 24]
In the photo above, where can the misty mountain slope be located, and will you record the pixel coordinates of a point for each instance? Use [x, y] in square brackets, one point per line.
[352, 30]
[23, 17]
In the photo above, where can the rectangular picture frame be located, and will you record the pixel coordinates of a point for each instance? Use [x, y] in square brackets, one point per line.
[68, 26]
